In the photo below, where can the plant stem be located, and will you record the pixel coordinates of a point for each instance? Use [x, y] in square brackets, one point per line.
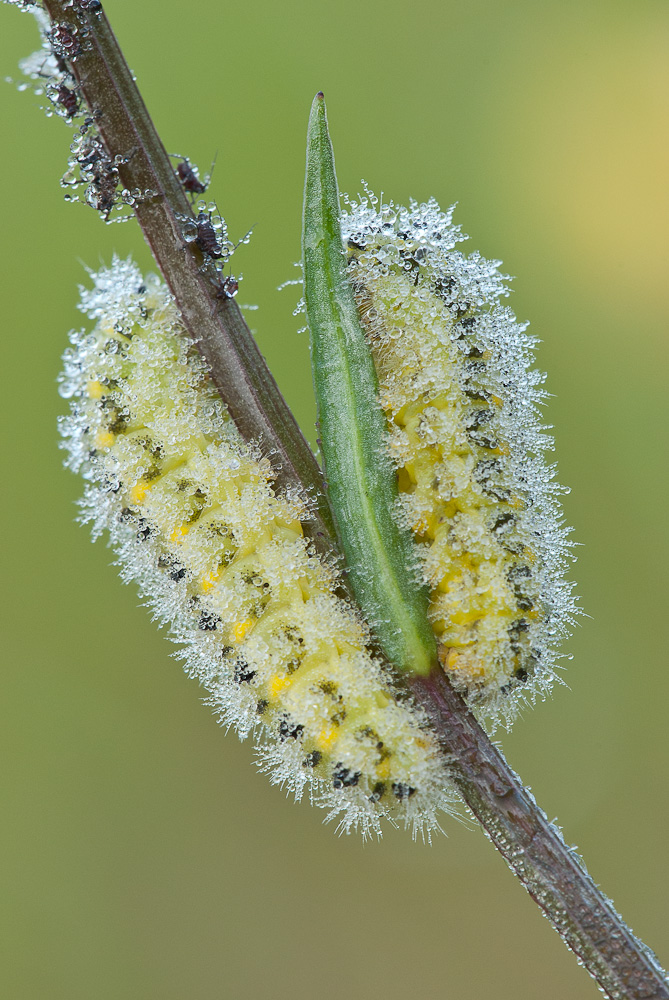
[553, 875]
[213, 320]
[534, 849]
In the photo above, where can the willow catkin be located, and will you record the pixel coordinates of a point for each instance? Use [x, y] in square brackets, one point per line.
[461, 401]
[220, 554]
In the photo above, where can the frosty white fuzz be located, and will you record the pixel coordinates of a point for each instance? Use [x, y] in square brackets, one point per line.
[221, 556]
[461, 401]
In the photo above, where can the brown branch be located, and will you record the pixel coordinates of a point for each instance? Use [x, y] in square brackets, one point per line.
[211, 317]
[532, 847]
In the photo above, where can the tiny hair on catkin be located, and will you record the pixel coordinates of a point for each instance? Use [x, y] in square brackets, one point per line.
[220, 554]
[461, 401]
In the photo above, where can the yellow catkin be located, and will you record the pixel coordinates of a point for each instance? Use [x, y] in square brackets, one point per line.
[461, 400]
[192, 511]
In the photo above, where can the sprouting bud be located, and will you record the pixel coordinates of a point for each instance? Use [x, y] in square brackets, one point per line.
[461, 403]
[220, 554]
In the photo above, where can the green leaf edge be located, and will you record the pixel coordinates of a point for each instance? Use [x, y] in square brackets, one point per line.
[361, 481]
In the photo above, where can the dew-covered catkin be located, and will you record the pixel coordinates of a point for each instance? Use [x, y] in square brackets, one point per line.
[220, 554]
[461, 400]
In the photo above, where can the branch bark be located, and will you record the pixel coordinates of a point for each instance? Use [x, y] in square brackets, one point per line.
[532, 847]
[213, 320]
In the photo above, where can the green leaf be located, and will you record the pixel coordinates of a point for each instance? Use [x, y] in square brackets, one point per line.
[361, 481]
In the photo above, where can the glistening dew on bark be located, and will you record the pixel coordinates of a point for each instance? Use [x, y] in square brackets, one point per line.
[220, 554]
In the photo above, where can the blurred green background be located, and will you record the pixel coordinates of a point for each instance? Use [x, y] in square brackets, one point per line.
[142, 855]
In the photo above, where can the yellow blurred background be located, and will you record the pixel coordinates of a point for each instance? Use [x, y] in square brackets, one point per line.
[142, 855]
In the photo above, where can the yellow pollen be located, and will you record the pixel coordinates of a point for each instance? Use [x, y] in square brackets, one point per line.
[104, 439]
[179, 533]
[326, 737]
[466, 616]
[450, 660]
[139, 491]
[241, 628]
[208, 581]
[277, 684]
[383, 769]
[95, 390]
